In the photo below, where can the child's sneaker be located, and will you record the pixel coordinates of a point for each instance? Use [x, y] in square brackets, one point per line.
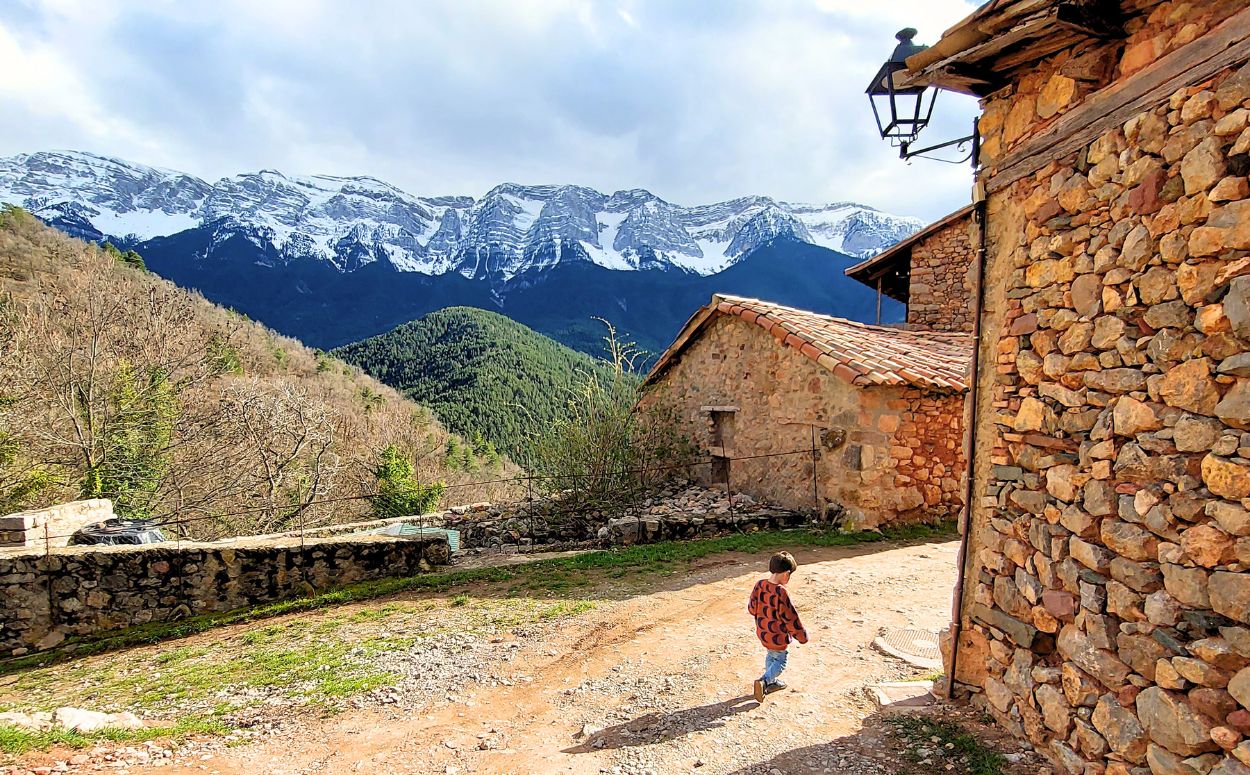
[759, 689]
[775, 685]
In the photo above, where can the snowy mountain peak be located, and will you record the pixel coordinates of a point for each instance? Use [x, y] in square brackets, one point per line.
[353, 221]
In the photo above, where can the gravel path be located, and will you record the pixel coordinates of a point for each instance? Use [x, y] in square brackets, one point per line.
[656, 683]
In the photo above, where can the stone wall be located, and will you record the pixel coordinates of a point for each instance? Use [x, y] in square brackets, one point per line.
[78, 591]
[883, 453]
[28, 528]
[927, 450]
[939, 296]
[1063, 82]
[1107, 603]
[678, 510]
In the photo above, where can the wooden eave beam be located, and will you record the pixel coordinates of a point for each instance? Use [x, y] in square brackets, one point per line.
[887, 267]
[978, 56]
[1227, 45]
[1101, 19]
[965, 71]
[1040, 48]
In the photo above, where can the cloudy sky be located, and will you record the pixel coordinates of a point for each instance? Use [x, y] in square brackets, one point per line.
[695, 100]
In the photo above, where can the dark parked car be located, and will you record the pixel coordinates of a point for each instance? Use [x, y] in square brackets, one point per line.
[118, 531]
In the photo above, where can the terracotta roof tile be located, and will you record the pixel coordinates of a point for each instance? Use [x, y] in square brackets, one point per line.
[856, 352]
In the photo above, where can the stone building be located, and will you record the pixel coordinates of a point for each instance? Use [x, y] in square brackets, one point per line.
[930, 272]
[811, 411]
[1105, 606]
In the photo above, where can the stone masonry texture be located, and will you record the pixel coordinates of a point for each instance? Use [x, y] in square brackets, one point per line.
[883, 453]
[940, 287]
[47, 597]
[28, 528]
[1107, 602]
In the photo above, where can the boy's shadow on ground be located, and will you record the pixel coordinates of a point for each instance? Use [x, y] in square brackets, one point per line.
[660, 727]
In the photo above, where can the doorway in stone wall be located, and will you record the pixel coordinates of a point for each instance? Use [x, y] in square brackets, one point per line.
[722, 447]
[723, 430]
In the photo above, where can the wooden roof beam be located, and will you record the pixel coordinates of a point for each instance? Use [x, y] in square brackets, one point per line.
[1096, 18]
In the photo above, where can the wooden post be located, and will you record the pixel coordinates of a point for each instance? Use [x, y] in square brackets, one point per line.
[303, 553]
[529, 500]
[878, 299]
[47, 570]
[815, 486]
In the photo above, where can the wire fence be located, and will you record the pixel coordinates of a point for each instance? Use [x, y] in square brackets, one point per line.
[557, 506]
[528, 482]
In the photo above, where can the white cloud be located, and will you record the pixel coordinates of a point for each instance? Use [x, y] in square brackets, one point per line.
[696, 101]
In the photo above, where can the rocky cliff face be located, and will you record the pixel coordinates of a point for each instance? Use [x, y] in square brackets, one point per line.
[351, 222]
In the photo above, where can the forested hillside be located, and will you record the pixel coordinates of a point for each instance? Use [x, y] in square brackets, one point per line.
[116, 383]
[481, 372]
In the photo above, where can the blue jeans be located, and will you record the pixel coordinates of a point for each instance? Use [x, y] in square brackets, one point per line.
[774, 663]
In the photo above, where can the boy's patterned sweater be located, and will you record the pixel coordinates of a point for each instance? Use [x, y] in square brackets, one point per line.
[776, 621]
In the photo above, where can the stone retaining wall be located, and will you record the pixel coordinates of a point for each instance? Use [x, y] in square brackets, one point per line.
[675, 512]
[78, 591]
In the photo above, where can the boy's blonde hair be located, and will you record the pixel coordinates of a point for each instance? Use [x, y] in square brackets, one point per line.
[782, 562]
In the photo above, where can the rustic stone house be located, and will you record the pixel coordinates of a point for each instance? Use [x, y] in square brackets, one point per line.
[930, 272]
[812, 411]
[1105, 607]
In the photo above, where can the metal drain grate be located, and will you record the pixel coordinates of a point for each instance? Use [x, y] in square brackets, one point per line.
[916, 647]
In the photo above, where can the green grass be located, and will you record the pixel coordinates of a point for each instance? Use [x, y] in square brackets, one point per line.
[16, 741]
[555, 575]
[313, 664]
[965, 750]
[566, 608]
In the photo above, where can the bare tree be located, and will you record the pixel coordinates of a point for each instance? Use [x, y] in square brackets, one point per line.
[115, 382]
[288, 438]
[102, 376]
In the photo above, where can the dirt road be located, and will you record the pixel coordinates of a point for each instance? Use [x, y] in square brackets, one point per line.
[658, 683]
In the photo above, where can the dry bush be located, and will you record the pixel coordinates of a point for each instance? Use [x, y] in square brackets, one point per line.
[609, 448]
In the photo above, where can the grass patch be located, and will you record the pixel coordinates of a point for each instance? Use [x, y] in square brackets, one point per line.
[555, 575]
[950, 741]
[15, 741]
[294, 658]
[566, 608]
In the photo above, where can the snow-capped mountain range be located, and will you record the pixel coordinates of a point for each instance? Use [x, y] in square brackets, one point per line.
[349, 223]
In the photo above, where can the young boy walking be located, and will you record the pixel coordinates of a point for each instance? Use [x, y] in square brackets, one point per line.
[776, 621]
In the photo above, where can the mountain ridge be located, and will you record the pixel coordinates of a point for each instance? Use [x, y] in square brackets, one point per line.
[350, 222]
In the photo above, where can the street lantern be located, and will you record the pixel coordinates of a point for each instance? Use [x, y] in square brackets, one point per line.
[903, 111]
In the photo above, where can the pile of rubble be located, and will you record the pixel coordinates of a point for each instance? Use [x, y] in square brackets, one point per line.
[100, 757]
[676, 511]
[690, 511]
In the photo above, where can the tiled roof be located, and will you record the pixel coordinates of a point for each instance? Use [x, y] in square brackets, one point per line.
[859, 353]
